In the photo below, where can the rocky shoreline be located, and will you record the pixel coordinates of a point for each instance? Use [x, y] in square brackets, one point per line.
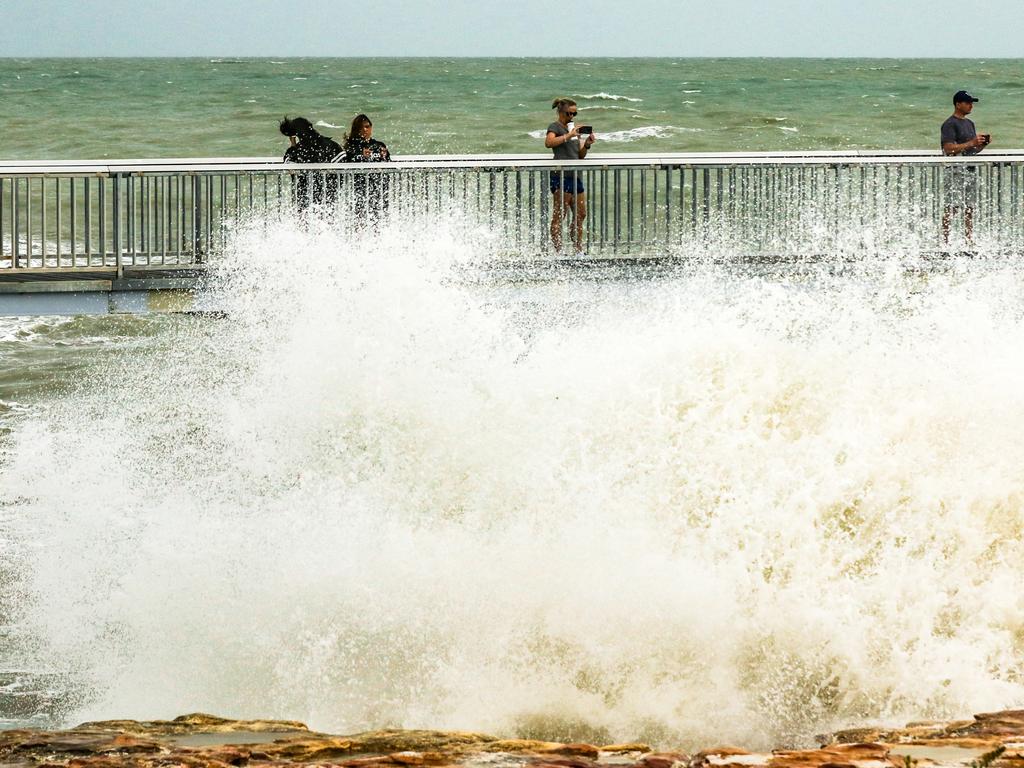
[993, 740]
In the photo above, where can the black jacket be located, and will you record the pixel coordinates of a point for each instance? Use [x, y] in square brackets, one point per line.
[358, 150]
[313, 148]
[314, 187]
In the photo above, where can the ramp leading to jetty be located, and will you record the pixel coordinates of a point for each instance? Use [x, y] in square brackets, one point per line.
[130, 235]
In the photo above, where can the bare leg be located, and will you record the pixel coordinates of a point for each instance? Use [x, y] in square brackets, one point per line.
[969, 224]
[557, 203]
[947, 217]
[579, 214]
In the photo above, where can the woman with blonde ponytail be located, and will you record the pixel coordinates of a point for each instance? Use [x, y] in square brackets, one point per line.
[564, 138]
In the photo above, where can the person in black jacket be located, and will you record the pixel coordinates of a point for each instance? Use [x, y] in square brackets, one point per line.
[370, 190]
[309, 146]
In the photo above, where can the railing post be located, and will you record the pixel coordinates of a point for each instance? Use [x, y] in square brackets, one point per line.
[197, 219]
[117, 226]
[15, 222]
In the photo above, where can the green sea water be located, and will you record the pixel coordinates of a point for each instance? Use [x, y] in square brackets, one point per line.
[117, 108]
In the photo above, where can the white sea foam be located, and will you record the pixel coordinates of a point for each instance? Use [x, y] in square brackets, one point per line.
[607, 107]
[606, 97]
[633, 134]
[720, 507]
[325, 124]
[646, 132]
[16, 329]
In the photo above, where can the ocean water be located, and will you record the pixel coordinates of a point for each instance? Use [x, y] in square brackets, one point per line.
[712, 503]
[116, 108]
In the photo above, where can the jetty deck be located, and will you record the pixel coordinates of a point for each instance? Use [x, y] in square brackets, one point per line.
[141, 235]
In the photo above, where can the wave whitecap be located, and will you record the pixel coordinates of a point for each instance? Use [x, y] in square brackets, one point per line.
[611, 107]
[606, 97]
[646, 132]
[633, 134]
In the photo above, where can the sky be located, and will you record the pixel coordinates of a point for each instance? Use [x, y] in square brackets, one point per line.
[557, 28]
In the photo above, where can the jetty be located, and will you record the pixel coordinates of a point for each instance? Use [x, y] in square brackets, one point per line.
[88, 237]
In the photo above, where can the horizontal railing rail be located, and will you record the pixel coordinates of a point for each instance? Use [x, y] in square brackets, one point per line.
[172, 212]
[814, 157]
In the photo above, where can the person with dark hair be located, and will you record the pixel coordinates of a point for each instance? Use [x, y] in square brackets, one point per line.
[563, 138]
[370, 190]
[958, 136]
[309, 146]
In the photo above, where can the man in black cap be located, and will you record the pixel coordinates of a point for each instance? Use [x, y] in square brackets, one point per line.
[959, 137]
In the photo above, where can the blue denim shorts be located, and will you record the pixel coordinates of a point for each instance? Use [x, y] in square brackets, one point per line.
[571, 182]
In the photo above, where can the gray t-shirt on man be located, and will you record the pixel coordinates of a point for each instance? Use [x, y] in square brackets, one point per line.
[958, 130]
[570, 150]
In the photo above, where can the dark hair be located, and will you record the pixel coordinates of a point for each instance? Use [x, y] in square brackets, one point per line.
[561, 103]
[357, 126]
[297, 126]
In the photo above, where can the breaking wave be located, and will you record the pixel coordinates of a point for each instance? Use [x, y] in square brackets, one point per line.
[394, 488]
[606, 97]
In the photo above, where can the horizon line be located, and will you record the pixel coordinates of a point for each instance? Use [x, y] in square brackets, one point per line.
[509, 56]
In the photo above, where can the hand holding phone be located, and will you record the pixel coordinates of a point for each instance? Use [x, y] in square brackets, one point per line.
[585, 129]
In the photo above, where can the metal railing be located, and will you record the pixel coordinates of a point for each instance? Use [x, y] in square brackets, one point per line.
[154, 213]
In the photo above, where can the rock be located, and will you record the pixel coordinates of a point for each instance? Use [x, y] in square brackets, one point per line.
[314, 750]
[985, 731]
[226, 754]
[856, 755]
[193, 723]
[716, 755]
[836, 756]
[1000, 726]
[103, 761]
[853, 736]
[622, 749]
[384, 761]
[562, 762]
[663, 760]
[1011, 758]
[417, 758]
[391, 741]
[84, 743]
[160, 744]
[520, 746]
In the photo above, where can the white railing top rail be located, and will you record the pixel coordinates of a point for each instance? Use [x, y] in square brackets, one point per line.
[504, 161]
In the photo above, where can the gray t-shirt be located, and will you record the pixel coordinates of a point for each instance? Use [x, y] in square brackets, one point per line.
[570, 150]
[958, 130]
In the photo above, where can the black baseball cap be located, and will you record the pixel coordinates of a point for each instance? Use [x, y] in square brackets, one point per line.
[961, 96]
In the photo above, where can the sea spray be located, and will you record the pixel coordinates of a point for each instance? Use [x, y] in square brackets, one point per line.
[721, 504]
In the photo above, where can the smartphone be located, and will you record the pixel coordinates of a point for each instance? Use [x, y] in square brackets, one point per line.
[586, 129]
